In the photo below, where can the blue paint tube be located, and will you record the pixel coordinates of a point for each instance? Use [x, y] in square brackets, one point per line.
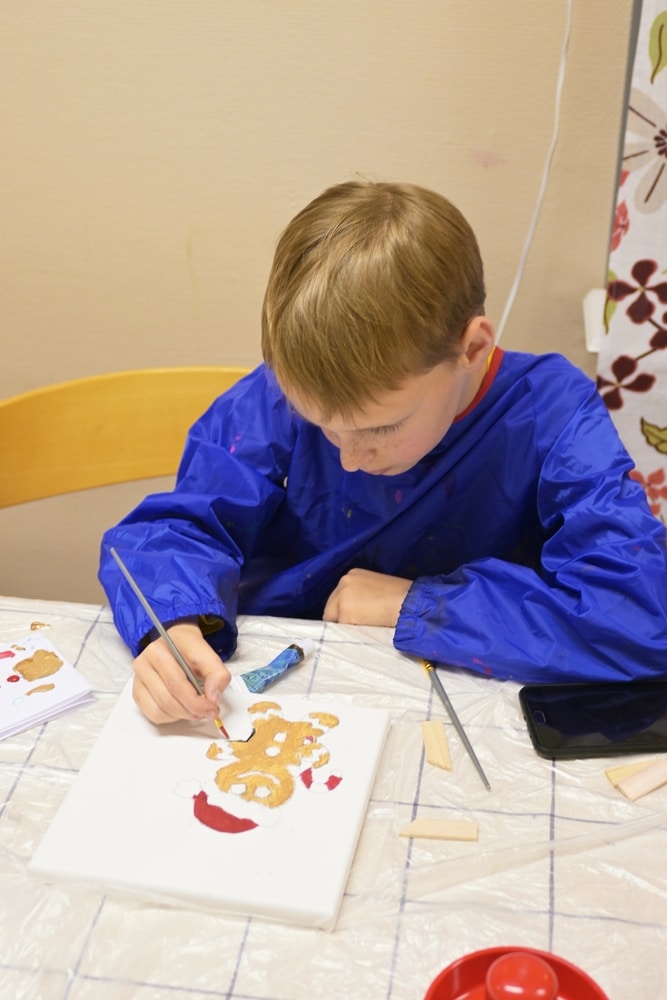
[258, 680]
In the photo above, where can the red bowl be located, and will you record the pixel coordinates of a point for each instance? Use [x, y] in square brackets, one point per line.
[465, 979]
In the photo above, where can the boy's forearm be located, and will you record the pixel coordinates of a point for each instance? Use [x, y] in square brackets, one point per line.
[503, 621]
[179, 585]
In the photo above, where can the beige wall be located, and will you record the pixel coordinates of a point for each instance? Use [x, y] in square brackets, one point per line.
[153, 150]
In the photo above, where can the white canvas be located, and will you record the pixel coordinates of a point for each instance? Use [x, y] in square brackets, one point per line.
[129, 822]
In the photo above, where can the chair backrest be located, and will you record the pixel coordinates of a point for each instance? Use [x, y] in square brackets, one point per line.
[102, 430]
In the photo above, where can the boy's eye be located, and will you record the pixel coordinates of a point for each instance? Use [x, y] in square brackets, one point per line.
[388, 429]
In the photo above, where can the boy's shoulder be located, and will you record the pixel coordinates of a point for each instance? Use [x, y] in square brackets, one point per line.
[520, 362]
[257, 385]
[548, 376]
[546, 389]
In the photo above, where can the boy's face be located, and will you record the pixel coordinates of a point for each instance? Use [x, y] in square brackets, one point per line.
[391, 435]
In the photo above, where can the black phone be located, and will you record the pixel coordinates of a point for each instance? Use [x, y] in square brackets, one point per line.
[597, 719]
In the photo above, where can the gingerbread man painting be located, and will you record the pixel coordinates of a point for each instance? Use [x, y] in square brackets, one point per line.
[264, 772]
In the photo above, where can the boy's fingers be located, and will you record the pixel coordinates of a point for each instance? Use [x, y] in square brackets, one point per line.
[161, 689]
[330, 613]
[204, 661]
[363, 597]
[215, 682]
[148, 706]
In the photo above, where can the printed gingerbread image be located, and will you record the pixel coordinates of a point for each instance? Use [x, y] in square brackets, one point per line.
[42, 663]
[36, 683]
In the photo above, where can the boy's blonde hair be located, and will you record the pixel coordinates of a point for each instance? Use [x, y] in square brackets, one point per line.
[371, 283]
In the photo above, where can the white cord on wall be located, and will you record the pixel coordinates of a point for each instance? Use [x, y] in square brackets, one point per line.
[545, 173]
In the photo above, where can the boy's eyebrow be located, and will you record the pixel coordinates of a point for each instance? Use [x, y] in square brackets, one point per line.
[386, 427]
[370, 429]
[373, 427]
[405, 415]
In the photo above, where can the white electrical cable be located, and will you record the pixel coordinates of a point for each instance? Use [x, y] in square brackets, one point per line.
[545, 172]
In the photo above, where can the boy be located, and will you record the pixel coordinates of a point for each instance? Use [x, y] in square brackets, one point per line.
[389, 466]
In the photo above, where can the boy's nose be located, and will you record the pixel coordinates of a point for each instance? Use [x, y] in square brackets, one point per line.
[353, 454]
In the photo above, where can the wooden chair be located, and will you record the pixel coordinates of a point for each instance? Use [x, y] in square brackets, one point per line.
[101, 430]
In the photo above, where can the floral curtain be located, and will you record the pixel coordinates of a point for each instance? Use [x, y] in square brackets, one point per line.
[632, 367]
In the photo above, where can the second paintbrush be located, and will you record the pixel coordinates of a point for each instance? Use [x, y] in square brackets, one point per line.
[442, 694]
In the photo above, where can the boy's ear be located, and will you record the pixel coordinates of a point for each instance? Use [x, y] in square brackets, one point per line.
[478, 340]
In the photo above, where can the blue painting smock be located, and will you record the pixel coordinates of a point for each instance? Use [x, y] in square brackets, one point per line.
[534, 555]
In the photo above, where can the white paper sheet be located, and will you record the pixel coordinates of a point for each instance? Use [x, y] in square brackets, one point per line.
[36, 684]
[133, 818]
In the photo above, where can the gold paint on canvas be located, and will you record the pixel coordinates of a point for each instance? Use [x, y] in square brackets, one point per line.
[262, 768]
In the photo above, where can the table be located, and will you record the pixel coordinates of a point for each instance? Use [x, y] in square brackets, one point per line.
[563, 862]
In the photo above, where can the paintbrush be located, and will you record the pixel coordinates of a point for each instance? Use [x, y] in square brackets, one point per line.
[442, 694]
[175, 651]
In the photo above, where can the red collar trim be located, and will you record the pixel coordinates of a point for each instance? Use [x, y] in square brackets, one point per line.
[495, 358]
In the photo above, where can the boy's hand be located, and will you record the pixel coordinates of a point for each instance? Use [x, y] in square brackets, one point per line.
[366, 598]
[161, 689]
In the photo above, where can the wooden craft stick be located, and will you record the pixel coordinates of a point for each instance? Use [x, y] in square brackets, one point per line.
[646, 780]
[441, 829]
[622, 771]
[435, 743]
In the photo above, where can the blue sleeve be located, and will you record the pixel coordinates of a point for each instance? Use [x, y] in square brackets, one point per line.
[186, 548]
[595, 607]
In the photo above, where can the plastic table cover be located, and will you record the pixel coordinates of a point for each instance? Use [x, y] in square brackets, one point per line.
[564, 863]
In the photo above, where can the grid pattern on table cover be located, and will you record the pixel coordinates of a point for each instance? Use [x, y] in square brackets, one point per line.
[563, 863]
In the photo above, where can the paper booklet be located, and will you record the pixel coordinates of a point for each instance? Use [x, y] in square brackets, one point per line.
[266, 827]
[36, 684]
